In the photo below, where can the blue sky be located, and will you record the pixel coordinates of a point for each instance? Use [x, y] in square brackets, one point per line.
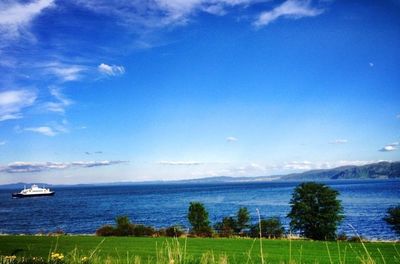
[103, 91]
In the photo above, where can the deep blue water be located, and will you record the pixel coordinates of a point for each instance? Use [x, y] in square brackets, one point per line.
[84, 209]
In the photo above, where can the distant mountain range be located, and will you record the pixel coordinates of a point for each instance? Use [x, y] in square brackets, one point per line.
[380, 170]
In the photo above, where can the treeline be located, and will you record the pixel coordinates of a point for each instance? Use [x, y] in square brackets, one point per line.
[315, 213]
[198, 217]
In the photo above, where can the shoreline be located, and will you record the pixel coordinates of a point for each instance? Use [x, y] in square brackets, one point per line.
[293, 238]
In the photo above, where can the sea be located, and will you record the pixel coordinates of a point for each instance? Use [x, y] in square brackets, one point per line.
[83, 209]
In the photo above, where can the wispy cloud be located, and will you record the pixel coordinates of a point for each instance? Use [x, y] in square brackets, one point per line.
[50, 131]
[292, 9]
[339, 141]
[63, 71]
[111, 70]
[180, 163]
[15, 17]
[398, 116]
[27, 167]
[12, 102]
[231, 139]
[2, 143]
[160, 13]
[61, 101]
[44, 130]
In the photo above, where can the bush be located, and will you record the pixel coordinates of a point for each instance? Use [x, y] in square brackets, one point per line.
[356, 239]
[270, 228]
[142, 230]
[174, 231]
[342, 237]
[227, 227]
[393, 218]
[106, 230]
[205, 231]
[124, 227]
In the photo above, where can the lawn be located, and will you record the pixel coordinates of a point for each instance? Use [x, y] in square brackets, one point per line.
[125, 249]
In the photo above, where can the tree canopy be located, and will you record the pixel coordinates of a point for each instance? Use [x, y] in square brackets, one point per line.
[315, 211]
[198, 218]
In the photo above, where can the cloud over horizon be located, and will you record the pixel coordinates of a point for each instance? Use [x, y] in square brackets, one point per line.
[180, 163]
[28, 167]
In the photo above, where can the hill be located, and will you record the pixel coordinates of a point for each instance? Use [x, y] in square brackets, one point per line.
[380, 170]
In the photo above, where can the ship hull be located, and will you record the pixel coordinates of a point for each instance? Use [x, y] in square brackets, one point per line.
[20, 195]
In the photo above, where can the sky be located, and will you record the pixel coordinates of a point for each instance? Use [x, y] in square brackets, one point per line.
[115, 90]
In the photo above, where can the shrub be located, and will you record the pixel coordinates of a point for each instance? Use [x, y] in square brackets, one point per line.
[270, 228]
[393, 218]
[142, 230]
[205, 231]
[342, 237]
[174, 231]
[106, 230]
[227, 227]
[124, 226]
[356, 239]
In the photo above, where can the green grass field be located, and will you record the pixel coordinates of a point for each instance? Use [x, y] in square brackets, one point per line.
[125, 249]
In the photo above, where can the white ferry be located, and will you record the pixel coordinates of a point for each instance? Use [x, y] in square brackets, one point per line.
[33, 191]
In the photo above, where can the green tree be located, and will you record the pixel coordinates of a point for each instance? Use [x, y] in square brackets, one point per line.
[315, 211]
[198, 218]
[393, 218]
[270, 228]
[243, 217]
[227, 227]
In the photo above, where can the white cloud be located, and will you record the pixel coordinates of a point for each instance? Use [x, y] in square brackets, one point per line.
[111, 70]
[159, 13]
[371, 64]
[398, 116]
[339, 141]
[63, 71]
[180, 163]
[388, 148]
[27, 167]
[299, 165]
[61, 101]
[44, 130]
[12, 102]
[15, 17]
[2, 143]
[293, 9]
[231, 139]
